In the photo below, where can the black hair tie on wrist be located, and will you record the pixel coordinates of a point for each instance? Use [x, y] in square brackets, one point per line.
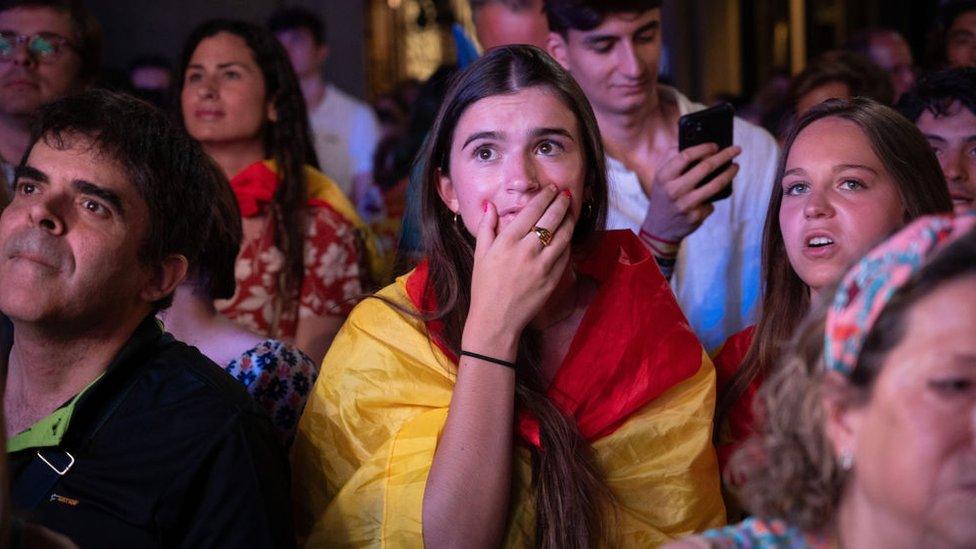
[498, 361]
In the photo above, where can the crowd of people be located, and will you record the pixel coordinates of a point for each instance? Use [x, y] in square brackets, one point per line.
[239, 307]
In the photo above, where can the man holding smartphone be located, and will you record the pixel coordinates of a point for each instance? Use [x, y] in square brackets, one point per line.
[711, 250]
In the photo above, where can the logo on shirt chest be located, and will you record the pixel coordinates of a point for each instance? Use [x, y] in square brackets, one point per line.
[64, 500]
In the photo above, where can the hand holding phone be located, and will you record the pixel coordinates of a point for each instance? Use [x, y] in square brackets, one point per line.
[682, 190]
[713, 125]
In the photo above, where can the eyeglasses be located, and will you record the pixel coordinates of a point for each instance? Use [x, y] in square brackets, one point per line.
[43, 46]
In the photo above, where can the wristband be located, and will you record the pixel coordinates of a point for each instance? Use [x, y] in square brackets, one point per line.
[498, 361]
[659, 246]
[666, 242]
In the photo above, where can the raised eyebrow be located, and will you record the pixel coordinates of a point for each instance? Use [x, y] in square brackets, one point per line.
[91, 189]
[30, 172]
[480, 135]
[842, 167]
[229, 64]
[542, 132]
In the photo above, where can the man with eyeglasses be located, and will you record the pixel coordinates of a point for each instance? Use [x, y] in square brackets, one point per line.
[48, 49]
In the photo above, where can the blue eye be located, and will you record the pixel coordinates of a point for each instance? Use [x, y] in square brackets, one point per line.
[795, 189]
[851, 184]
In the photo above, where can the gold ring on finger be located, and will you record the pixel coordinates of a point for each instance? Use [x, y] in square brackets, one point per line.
[545, 236]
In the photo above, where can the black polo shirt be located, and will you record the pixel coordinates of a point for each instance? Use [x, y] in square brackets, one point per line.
[170, 451]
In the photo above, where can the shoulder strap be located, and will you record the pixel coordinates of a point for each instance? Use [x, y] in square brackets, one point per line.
[40, 477]
[42, 474]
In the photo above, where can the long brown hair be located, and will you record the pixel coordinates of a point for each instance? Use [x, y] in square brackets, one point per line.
[799, 478]
[569, 489]
[288, 140]
[918, 178]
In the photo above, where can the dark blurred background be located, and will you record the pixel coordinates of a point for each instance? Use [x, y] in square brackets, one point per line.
[717, 48]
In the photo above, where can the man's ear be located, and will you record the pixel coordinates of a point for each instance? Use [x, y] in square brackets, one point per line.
[166, 277]
[843, 414]
[557, 48]
[445, 188]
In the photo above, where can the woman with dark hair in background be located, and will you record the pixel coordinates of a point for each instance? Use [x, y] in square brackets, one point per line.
[277, 375]
[299, 265]
[869, 439]
[851, 172]
[528, 383]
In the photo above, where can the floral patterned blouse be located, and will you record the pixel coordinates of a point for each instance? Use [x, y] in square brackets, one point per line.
[279, 377]
[331, 281]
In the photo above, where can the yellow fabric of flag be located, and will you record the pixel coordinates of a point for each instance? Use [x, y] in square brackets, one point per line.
[369, 431]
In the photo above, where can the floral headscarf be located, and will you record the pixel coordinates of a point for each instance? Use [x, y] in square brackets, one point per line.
[873, 281]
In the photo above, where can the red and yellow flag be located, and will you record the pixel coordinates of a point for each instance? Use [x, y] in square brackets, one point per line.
[635, 379]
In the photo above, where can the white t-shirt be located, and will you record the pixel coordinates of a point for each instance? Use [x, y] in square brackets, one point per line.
[717, 274]
[346, 133]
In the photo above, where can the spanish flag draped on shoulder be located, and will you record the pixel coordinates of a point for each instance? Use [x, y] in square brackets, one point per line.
[635, 379]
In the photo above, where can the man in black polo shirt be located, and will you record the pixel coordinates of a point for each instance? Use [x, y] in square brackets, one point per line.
[120, 436]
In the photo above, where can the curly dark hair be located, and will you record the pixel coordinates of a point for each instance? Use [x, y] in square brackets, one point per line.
[936, 92]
